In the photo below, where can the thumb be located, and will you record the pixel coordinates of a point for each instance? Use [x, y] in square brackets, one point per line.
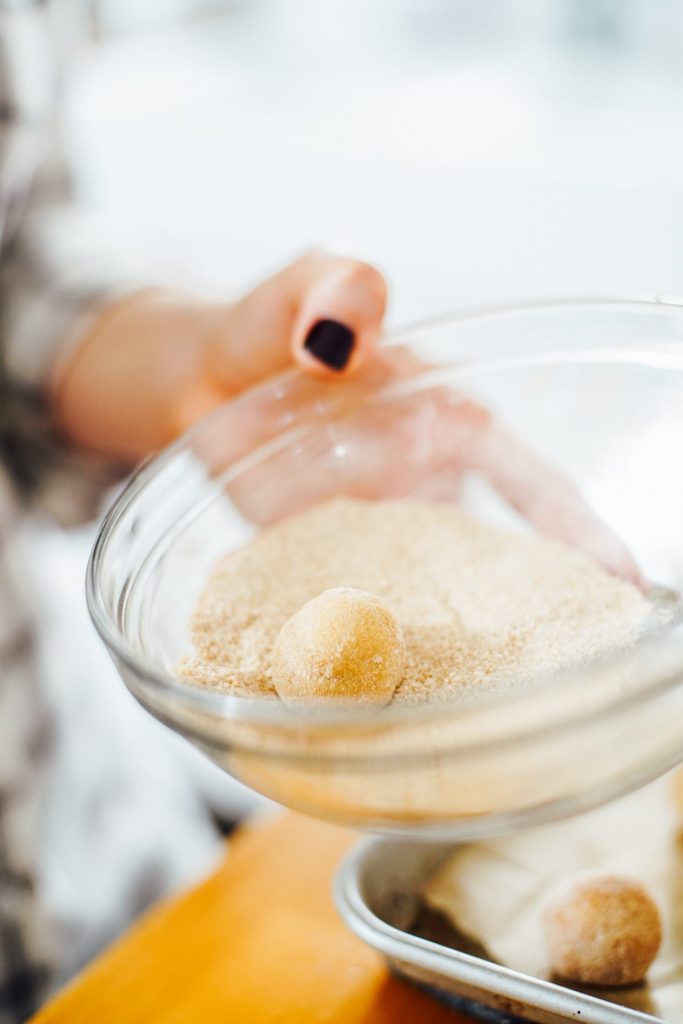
[322, 313]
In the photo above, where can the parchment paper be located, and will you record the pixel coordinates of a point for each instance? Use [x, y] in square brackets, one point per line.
[493, 891]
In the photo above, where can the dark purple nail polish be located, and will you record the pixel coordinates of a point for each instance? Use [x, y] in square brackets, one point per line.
[331, 342]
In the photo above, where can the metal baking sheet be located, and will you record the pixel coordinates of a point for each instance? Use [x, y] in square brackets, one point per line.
[377, 892]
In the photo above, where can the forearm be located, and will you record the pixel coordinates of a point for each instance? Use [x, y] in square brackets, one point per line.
[47, 306]
[152, 364]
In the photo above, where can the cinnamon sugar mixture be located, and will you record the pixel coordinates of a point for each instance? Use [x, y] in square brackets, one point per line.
[479, 606]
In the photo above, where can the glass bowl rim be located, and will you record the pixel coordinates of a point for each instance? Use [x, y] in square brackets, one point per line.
[275, 713]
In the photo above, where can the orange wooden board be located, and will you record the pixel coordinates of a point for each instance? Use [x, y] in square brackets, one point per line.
[259, 941]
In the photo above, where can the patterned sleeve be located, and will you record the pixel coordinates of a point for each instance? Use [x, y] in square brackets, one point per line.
[51, 281]
[28, 956]
[37, 306]
[48, 289]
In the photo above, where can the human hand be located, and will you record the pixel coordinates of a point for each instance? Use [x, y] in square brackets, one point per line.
[420, 443]
[153, 363]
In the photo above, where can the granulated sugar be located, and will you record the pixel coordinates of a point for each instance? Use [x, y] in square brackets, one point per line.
[479, 606]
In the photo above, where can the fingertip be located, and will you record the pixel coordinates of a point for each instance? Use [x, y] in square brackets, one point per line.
[340, 319]
[367, 279]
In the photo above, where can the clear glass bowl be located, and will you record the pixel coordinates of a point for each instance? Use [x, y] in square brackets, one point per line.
[596, 389]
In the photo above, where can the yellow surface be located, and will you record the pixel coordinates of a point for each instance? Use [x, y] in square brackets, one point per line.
[259, 941]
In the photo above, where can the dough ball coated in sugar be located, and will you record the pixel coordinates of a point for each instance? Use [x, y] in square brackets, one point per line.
[602, 930]
[343, 646]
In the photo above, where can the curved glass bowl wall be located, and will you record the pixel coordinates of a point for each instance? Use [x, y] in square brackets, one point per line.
[594, 388]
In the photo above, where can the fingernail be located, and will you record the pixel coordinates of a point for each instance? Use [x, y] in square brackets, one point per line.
[331, 342]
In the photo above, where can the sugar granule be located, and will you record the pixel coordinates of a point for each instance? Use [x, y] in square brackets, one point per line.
[480, 607]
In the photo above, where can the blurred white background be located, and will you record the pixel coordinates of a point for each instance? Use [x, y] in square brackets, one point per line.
[478, 150]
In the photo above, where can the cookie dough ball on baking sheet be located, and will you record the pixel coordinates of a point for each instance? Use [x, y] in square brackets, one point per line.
[602, 929]
[343, 645]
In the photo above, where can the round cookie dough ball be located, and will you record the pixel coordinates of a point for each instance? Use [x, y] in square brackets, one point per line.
[602, 930]
[343, 645]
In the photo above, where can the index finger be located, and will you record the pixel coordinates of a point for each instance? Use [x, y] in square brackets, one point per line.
[322, 313]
